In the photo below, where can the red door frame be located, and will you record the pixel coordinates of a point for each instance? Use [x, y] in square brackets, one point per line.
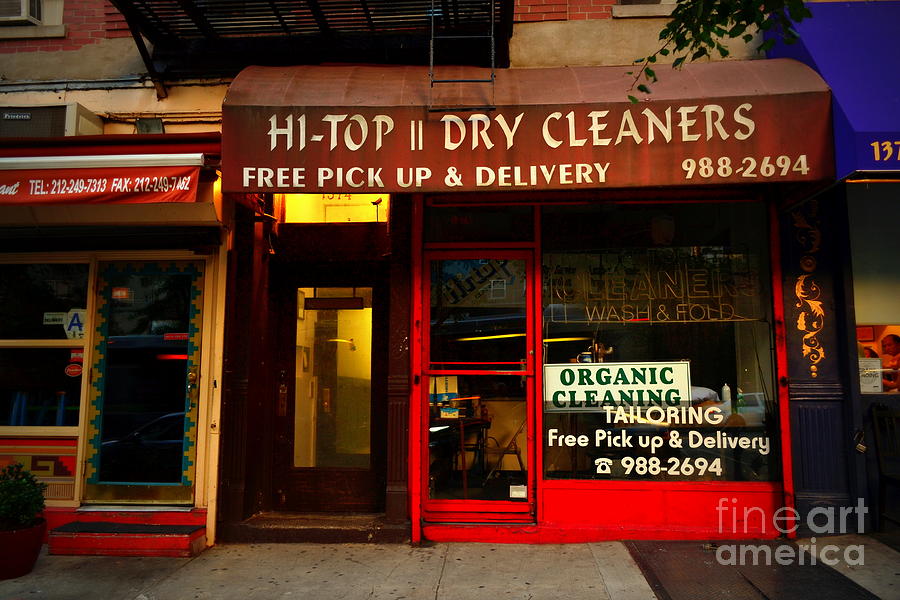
[479, 510]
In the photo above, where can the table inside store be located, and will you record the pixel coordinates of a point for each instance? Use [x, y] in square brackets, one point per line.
[451, 444]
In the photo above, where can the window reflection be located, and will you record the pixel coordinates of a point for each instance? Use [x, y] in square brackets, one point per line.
[657, 284]
[478, 316]
[40, 300]
[145, 392]
[40, 387]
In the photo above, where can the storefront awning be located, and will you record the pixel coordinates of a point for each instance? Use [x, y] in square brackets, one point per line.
[102, 179]
[853, 45]
[354, 129]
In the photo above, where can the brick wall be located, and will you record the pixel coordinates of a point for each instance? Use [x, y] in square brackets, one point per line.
[562, 10]
[87, 22]
[90, 21]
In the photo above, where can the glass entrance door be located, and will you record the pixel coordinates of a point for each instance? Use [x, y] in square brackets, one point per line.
[479, 367]
[326, 441]
[144, 383]
[333, 378]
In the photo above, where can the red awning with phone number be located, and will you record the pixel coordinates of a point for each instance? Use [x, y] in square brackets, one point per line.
[128, 179]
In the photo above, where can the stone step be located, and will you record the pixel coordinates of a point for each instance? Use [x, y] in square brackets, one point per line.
[279, 527]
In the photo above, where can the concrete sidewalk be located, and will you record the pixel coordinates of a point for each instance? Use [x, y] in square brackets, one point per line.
[346, 571]
[595, 571]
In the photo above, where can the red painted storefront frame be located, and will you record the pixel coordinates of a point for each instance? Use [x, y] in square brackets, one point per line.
[492, 511]
[618, 509]
[403, 94]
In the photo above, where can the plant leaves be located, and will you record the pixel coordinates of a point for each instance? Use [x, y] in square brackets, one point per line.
[737, 30]
[696, 28]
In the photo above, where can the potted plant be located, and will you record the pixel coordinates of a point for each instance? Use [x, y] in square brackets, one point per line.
[21, 522]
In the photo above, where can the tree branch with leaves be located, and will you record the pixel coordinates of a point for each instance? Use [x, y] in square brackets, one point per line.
[697, 29]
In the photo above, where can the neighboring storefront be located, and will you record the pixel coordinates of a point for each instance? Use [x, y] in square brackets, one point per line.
[112, 275]
[866, 117]
[592, 306]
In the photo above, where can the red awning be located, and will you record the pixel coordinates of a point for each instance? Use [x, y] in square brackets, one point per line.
[354, 129]
[122, 179]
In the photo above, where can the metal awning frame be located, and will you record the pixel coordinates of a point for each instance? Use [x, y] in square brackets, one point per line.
[190, 38]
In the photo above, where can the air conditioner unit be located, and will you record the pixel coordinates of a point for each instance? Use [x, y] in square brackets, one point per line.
[20, 12]
[48, 121]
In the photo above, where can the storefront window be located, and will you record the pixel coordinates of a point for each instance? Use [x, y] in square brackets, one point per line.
[41, 361]
[39, 300]
[872, 213]
[675, 302]
[38, 388]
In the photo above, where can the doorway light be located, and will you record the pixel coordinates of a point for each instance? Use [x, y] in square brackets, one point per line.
[343, 341]
[336, 208]
[337, 298]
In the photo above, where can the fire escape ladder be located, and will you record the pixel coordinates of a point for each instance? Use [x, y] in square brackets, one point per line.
[445, 27]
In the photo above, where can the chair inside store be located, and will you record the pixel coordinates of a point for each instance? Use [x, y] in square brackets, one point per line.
[469, 447]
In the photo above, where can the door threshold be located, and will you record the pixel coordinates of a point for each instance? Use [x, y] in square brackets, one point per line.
[294, 527]
[299, 518]
[133, 508]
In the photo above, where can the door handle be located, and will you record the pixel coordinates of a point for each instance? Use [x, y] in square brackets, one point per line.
[281, 406]
[193, 390]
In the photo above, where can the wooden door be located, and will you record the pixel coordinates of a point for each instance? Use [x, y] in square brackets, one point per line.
[329, 437]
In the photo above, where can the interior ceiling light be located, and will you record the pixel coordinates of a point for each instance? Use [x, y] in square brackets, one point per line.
[490, 337]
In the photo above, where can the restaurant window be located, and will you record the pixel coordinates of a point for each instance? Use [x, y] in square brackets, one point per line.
[658, 343]
[42, 343]
[873, 214]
